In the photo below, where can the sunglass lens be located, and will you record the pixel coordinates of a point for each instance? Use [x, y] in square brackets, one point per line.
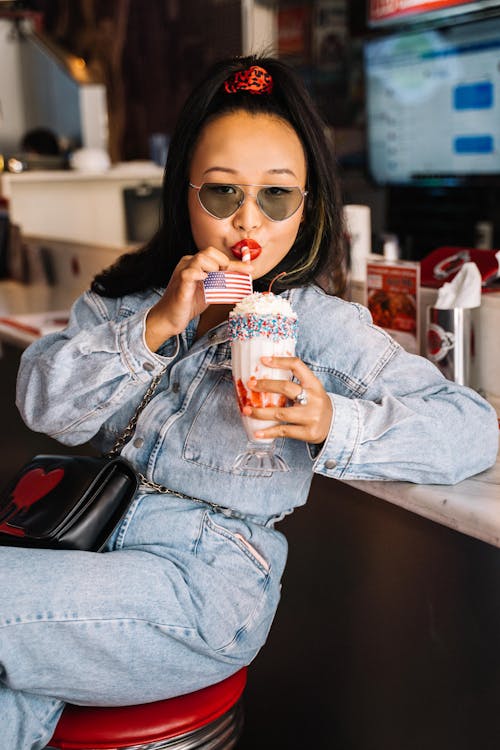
[279, 203]
[221, 200]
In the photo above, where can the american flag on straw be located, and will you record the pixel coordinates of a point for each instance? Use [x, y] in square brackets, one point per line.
[224, 287]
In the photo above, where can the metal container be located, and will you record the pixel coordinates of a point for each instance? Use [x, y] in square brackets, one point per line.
[449, 342]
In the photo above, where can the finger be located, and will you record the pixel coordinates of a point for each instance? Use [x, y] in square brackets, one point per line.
[192, 274]
[285, 387]
[314, 417]
[273, 385]
[290, 414]
[309, 432]
[239, 266]
[212, 259]
[296, 432]
[300, 370]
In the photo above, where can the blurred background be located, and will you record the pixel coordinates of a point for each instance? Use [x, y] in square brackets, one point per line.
[112, 75]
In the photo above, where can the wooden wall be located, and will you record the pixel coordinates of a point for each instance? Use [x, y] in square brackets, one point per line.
[149, 54]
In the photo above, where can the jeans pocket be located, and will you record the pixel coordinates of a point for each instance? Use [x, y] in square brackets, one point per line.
[235, 576]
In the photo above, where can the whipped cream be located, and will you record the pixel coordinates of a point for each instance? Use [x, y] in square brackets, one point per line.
[263, 303]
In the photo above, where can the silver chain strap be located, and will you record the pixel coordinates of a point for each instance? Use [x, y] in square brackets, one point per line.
[129, 429]
[145, 482]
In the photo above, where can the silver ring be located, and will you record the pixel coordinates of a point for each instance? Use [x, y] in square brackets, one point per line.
[301, 398]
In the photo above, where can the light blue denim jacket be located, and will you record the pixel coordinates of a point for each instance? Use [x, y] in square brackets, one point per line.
[395, 416]
[187, 594]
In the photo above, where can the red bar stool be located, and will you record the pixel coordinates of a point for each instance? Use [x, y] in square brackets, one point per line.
[209, 719]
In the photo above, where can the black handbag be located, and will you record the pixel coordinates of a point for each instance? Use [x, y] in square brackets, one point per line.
[70, 502]
[66, 502]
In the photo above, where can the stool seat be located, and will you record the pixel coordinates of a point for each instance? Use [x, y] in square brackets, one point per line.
[163, 723]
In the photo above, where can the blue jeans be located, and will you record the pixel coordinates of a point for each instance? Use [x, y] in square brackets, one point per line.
[182, 598]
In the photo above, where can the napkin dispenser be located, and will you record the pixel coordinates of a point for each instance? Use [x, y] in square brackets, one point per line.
[451, 332]
[477, 361]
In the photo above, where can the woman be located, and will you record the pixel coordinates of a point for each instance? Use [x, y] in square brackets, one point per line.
[188, 587]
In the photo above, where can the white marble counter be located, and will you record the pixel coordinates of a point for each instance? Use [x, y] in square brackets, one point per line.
[27, 310]
[471, 507]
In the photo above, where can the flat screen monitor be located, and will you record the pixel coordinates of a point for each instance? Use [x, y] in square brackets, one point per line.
[433, 105]
[395, 12]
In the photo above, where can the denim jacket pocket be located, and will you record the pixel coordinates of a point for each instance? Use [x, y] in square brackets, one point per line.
[217, 436]
[238, 577]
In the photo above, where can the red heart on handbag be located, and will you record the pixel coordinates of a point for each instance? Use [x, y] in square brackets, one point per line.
[34, 485]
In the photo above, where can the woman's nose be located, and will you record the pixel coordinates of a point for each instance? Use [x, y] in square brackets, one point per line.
[248, 216]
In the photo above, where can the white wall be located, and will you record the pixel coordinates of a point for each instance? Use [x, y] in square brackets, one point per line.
[12, 114]
[35, 91]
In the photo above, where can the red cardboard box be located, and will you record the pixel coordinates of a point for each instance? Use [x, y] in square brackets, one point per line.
[444, 263]
[392, 298]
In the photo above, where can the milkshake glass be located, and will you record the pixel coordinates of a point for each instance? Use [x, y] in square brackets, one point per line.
[260, 325]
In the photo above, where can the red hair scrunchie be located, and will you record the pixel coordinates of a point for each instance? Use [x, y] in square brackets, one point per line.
[255, 80]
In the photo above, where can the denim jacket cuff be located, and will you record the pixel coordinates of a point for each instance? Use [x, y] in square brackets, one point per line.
[337, 450]
[140, 360]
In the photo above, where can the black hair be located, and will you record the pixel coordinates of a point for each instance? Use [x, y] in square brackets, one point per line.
[318, 252]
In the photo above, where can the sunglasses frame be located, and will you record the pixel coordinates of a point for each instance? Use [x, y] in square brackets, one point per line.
[248, 184]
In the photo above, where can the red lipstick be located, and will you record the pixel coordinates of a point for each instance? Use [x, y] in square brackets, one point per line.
[246, 249]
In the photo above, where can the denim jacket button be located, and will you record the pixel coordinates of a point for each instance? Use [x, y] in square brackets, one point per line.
[176, 387]
[330, 464]
[138, 442]
[148, 366]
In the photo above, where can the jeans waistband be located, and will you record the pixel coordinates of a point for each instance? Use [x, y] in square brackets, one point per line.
[149, 486]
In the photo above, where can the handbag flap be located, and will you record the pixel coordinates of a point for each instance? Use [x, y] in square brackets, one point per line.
[50, 492]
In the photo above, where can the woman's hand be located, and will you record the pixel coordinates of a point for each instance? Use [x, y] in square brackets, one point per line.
[302, 421]
[183, 298]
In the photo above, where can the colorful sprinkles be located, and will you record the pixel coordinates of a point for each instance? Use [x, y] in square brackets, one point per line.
[251, 325]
